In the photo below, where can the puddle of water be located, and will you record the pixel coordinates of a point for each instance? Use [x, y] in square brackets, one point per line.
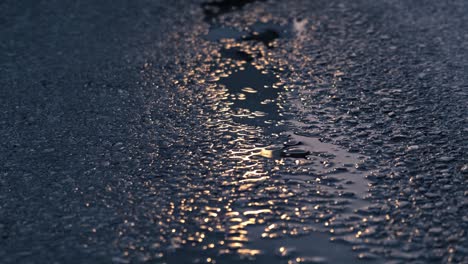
[336, 171]
[252, 91]
[336, 161]
[318, 182]
[236, 54]
[266, 33]
[253, 94]
[266, 36]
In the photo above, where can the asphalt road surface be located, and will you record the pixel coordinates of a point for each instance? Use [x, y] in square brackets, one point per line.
[234, 131]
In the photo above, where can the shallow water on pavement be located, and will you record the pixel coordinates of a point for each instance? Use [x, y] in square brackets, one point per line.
[282, 194]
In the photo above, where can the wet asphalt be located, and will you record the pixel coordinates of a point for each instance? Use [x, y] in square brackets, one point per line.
[233, 131]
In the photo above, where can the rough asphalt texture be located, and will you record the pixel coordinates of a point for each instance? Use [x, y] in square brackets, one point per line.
[112, 145]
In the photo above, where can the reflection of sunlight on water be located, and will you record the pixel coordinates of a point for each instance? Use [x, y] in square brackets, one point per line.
[249, 196]
[250, 175]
